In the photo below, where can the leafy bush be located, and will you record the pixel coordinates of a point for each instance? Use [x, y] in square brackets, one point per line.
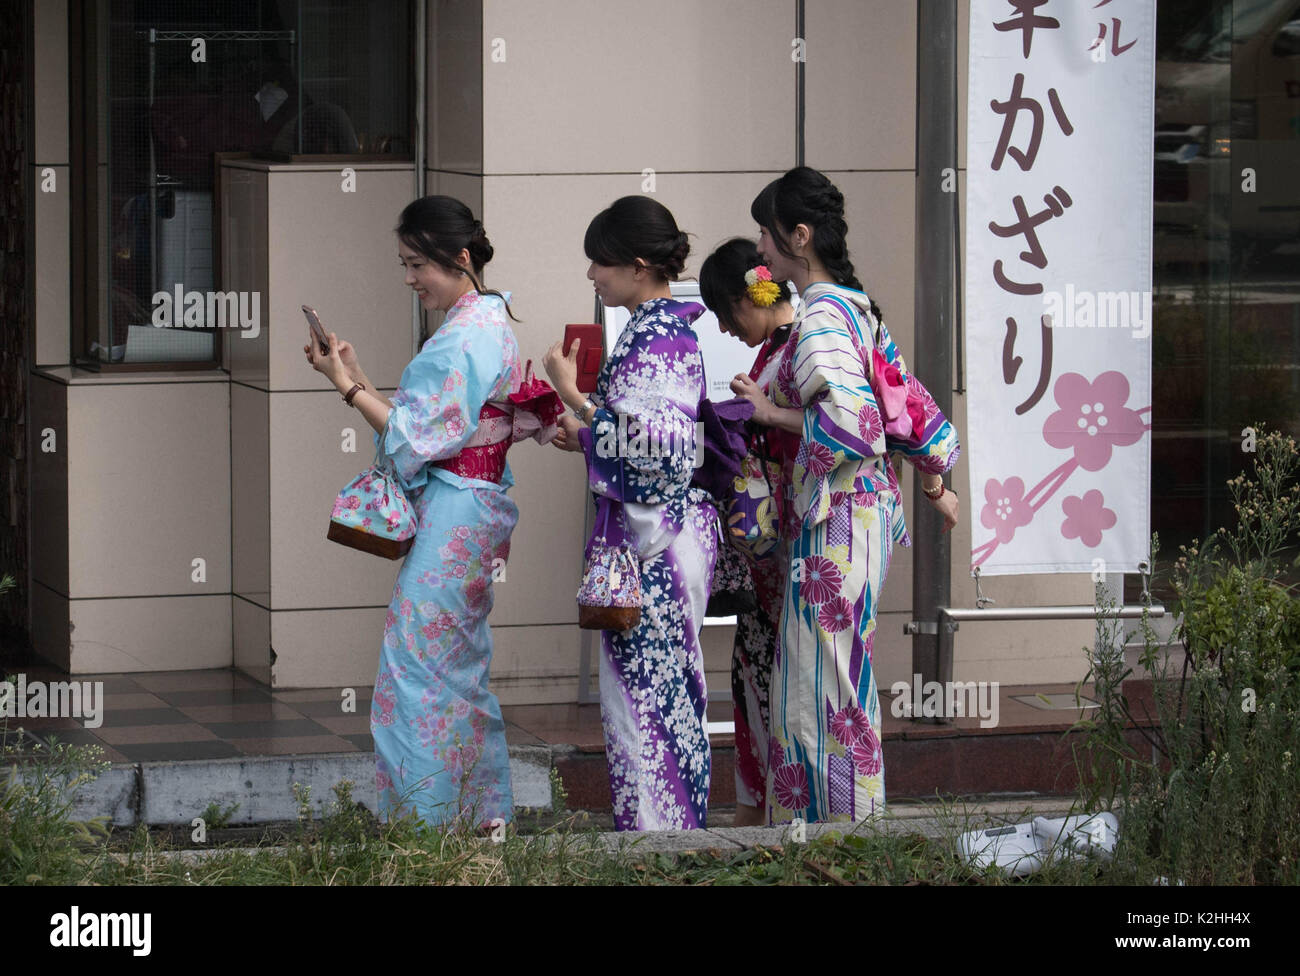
[1216, 797]
[39, 843]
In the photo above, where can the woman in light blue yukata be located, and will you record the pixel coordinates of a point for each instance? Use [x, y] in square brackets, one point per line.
[652, 692]
[440, 745]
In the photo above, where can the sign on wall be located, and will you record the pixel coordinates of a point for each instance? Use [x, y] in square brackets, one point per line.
[724, 355]
[1060, 135]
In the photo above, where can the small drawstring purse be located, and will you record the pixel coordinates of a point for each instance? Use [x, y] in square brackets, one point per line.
[372, 513]
[610, 595]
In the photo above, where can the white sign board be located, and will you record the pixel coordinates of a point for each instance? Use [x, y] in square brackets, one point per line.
[724, 354]
[1060, 143]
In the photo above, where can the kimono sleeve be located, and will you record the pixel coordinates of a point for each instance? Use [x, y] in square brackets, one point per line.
[932, 449]
[436, 407]
[841, 422]
[640, 446]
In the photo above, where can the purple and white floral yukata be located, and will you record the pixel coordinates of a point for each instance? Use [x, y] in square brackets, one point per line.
[640, 459]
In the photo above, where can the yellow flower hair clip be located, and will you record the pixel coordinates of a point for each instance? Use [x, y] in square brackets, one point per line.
[762, 290]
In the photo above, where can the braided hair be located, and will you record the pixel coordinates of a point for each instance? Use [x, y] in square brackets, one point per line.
[805, 196]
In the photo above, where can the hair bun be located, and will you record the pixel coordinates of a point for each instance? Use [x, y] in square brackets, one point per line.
[675, 263]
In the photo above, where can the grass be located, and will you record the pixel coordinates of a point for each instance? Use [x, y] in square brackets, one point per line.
[347, 846]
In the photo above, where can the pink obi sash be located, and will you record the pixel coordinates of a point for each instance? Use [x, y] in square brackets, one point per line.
[531, 411]
[484, 455]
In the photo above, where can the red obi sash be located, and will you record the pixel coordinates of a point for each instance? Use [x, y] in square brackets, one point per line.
[484, 456]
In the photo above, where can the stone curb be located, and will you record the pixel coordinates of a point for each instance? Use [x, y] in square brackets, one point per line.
[261, 787]
[721, 840]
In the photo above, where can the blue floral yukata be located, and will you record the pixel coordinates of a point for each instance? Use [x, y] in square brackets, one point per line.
[440, 745]
[640, 459]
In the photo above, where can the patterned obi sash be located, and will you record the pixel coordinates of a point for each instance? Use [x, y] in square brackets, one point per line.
[484, 455]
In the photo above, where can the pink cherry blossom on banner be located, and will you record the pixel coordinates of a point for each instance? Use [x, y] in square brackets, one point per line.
[1005, 509]
[1093, 418]
[1086, 518]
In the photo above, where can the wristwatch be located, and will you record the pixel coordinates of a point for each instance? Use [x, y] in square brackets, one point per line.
[581, 411]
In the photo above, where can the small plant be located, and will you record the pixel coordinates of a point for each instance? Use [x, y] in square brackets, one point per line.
[215, 817]
[1210, 797]
[39, 842]
[559, 795]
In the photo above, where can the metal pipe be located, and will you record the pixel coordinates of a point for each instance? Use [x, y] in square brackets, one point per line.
[799, 80]
[421, 88]
[1050, 613]
[936, 151]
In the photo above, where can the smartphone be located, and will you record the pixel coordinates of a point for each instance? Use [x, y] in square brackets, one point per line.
[590, 339]
[313, 323]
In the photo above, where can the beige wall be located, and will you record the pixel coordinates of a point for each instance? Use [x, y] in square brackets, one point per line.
[539, 115]
[131, 520]
[308, 611]
[715, 119]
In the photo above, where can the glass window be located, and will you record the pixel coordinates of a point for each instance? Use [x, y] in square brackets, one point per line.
[1226, 339]
[176, 83]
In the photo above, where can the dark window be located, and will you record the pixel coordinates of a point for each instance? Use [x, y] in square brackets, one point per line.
[1226, 337]
[161, 88]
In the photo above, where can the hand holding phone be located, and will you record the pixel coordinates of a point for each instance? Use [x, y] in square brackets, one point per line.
[317, 331]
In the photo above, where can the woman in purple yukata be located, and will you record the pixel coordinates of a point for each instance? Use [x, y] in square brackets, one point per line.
[652, 692]
[825, 757]
[440, 744]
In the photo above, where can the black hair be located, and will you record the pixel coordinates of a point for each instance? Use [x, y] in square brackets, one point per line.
[439, 227]
[637, 227]
[722, 278]
[805, 196]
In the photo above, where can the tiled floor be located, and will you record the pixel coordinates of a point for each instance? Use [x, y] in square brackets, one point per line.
[222, 714]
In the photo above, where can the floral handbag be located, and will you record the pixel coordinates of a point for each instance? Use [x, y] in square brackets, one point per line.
[372, 513]
[731, 590]
[610, 595]
[752, 513]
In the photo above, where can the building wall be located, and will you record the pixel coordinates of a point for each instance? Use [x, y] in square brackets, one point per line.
[579, 100]
[538, 117]
[307, 611]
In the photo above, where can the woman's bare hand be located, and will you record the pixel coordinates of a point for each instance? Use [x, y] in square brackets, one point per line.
[563, 371]
[331, 366]
[347, 356]
[745, 387]
[567, 438]
[949, 506]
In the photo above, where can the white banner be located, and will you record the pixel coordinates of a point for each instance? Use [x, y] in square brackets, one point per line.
[1058, 284]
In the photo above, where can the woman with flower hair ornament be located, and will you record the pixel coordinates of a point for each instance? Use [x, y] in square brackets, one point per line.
[738, 288]
[825, 760]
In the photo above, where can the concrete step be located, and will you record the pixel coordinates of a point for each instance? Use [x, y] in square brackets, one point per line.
[936, 760]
